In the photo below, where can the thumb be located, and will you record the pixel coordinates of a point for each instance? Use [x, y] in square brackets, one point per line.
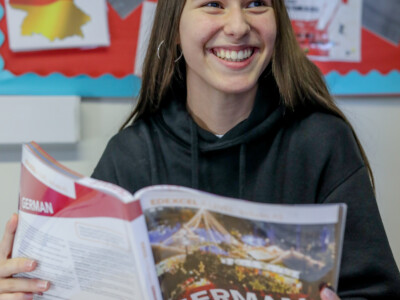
[8, 238]
[328, 294]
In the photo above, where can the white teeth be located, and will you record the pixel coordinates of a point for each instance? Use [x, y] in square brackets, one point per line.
[231, 55]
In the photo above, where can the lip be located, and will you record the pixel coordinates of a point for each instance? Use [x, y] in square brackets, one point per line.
[235, 65]
[234, 48]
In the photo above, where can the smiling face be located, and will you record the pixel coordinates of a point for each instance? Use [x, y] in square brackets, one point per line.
[227, 44]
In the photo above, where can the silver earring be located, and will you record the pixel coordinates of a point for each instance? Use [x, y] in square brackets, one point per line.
[180, 56]
[158, 52]
[158, 49]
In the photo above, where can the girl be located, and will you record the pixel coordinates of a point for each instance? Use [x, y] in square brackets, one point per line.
[230, 104]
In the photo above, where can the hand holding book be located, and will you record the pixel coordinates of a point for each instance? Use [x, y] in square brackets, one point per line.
[328, 294]
[20, 288]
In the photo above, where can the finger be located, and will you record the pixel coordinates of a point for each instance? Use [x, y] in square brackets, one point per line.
[16, 265]
[8, 237]
[328, 294]
[17, 296]
[21, 285]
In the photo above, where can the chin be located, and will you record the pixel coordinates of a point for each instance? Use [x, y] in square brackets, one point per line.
[237, 87]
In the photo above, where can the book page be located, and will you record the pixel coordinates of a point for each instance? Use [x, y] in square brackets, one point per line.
[211, 247]
[79, 256]
[87, 239]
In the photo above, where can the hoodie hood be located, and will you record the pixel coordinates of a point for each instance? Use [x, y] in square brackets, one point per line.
[265, 118]
[266, 115]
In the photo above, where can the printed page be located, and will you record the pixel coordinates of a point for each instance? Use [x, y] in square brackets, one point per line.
[88, 242]
[83, 258]
[139, 240]
[210, 247]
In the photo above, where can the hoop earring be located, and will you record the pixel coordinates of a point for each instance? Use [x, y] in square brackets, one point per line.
[180, 56]
[158, 49]
[158, 52]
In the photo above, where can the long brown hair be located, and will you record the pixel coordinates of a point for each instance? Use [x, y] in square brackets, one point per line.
[300, 82]
[158, 73]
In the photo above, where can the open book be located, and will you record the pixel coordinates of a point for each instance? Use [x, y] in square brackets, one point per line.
[94, 240]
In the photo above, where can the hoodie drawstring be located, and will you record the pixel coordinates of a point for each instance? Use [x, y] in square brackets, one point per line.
[242, 170]
[195, 161]
[155, 175]
[194, 155]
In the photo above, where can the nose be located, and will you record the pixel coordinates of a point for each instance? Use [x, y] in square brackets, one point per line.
[236, 23]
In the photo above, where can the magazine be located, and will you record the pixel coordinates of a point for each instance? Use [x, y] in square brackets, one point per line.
[95, 240]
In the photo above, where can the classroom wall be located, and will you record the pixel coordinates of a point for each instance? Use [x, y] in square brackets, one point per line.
[376, 120]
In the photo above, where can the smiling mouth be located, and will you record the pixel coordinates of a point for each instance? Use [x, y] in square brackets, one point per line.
[232, 55]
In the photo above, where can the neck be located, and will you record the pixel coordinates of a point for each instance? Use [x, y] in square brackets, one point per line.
[218, 112]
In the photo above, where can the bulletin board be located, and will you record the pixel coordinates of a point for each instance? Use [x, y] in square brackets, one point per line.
[355, 43]
[98, 72]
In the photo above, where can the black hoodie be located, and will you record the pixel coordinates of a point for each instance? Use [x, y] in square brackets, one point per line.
[274, 157]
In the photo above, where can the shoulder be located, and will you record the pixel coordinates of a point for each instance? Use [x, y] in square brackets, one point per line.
[326, 145]
[322, 126]
[323, 132]
[126, 151]
[131, 139]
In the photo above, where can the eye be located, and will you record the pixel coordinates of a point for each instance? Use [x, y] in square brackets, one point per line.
[256, 4]
[213, 4]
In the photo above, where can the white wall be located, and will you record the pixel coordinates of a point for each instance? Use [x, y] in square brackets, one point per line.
[376, 121]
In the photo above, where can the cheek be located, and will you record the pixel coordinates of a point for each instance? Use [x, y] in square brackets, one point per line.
[268, 33]
[271, 36]
[197, 31]
[208, 29]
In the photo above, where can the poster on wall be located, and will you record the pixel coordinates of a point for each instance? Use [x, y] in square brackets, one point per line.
[85, 71]
[355, 43]
[327, 30]
[54, 24]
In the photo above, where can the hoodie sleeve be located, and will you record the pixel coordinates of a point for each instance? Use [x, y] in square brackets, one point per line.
[368, 269]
